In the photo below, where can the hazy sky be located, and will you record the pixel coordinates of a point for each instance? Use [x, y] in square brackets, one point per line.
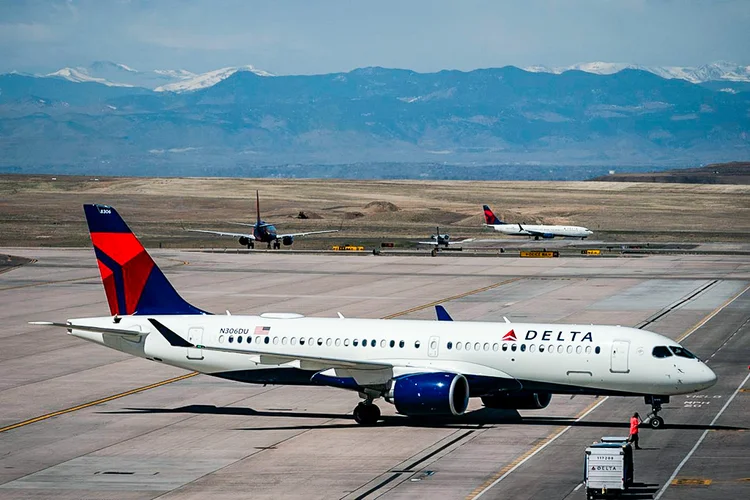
[319, 36]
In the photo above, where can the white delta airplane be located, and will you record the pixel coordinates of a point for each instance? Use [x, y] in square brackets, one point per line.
[424, 368]
[535, 230]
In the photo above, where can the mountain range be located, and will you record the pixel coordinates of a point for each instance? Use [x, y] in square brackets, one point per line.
[369, 122]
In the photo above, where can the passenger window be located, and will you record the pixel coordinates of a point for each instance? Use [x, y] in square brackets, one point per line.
[477, 346]
[283, 340]
[393, 343]
[570, 349]
[310, 341]
[293, 341]
[267, 340]
[486, 346]
[302, 341]
[416, 344]
[328, 342]
[560, 349]
[532, 347]
[467, 346]
[505, 347]
[682, 352]
[346, 342]
[320, 341]
[541, 347]
[579, 349]
[401, 343]
[221, 339]
[458, 346]
[382, 343]
[523, 347]
[355, 342]
[364, 342]
[338, 342]
[275, 340]
[495, 347]
[449, 346]
[513, 347]
[598, 350]
[588, 349]
[661, 351]
[373, 342]
[239, 340]
[231, 339]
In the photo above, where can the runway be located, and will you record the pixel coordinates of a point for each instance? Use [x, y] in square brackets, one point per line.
[83, 421]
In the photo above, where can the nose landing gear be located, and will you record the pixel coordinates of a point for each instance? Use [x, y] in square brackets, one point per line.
[653, 419]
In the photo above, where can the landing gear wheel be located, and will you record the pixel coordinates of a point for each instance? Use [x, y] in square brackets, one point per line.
[250, 245]
[276, 245]
[656, 422]
[366, 414]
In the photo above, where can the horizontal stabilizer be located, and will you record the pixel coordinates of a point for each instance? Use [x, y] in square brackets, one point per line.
[95, 329]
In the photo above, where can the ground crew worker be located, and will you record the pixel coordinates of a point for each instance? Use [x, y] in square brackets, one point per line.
[635, 421]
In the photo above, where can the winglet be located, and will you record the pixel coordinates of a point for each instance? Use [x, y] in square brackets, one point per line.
[442, 314]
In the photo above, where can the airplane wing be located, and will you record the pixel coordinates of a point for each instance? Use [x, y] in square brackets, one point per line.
[223, 233]
[308, 233]
[95, 329]
[467, 240]
[427, 242]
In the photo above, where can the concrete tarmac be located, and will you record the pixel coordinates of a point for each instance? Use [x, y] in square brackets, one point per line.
[75, 425]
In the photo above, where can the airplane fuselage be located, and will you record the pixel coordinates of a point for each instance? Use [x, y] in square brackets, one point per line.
[571, 359]
[542, 230]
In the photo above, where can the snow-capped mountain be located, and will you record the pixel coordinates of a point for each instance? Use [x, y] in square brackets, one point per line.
[82, 75]
[161, 80]
[208, 79]
[717, 71]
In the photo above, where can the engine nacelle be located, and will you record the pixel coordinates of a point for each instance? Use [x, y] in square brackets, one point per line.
[287, 240]
[518, 400]
[424, 394]
[244, 240]
[548, 235]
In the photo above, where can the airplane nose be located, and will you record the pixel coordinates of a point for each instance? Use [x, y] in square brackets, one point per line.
[708, 378]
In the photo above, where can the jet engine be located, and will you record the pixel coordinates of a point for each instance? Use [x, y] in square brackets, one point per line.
[244, 240]
[287, 240]
[518, 400]
[429, 394]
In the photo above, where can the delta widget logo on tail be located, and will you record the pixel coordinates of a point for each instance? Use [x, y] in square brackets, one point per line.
[510, 336]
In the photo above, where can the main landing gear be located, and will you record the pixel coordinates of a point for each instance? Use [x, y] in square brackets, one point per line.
[276, 245]
[653, 419]
[367, 413]
[250, 245]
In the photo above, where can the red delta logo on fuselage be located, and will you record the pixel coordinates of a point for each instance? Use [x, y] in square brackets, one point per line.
[510, 337]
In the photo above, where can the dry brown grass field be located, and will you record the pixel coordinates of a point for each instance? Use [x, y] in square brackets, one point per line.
[42, 210]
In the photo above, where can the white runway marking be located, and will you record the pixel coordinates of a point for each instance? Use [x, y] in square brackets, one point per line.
[700, 440]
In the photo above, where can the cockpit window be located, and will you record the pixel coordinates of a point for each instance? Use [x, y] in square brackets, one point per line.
[681, 352]
[661, 351]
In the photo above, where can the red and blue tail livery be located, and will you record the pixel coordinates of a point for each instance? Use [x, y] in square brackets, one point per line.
[489, 217]
[134, 284]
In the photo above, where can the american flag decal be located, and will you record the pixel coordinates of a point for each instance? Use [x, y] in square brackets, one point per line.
[262, 330]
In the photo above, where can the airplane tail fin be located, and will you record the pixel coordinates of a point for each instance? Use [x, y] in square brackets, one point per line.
[257, 206]
[133, 282]
[489, 216]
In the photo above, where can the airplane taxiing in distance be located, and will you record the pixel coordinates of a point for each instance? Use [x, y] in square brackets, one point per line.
[535, 230]
[424, 368]
[263, 232]
[444, 240]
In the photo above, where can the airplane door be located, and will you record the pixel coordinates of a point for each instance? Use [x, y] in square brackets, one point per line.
[195, 337]
[619, 358]
[433, 347]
